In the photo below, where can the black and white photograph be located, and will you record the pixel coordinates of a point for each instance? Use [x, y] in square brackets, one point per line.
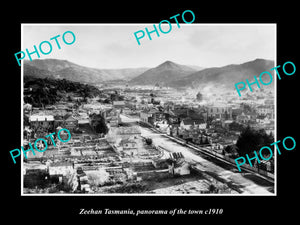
[129, 109]
[176, 112]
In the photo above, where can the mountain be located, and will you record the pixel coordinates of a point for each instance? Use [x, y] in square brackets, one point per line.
[226, 76]
[197, 68]
[163, 74]
[55, 68]
[168, 74]
[36, 72]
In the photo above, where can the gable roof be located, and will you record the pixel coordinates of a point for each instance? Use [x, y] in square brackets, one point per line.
[125, 141]
[187, 122]
[190, 121]
[150, 111]
[118, 103]
[70, 118]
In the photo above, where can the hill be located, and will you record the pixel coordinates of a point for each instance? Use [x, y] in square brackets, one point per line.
[47, 91]
[224, 77]
[163, 74]
[63, 69]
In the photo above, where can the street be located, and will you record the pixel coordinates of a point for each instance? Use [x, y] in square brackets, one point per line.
[249, 183]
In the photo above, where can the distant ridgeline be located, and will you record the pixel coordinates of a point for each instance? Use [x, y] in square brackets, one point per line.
[47, 91]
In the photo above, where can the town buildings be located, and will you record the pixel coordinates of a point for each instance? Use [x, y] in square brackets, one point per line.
[122, 153]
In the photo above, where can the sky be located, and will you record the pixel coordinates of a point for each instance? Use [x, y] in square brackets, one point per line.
[113, 46]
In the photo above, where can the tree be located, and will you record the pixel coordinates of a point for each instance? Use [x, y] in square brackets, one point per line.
[236, 126]
[251, 140]
[101, 127]
[99, 124]
[148, 141]
[199, 97]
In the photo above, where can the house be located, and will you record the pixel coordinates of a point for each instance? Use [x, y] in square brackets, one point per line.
[236, 112]
[200, 124]
[200, 139]
[41, 122]
[148, 116]
[118, 104]
[82, 117]
[60, 169]
[129, 132]
[67, 121]
[59, 120]
[269, 102]
[175, 115]
[27, 107]
[113, 117]
[252, 115]
[263, 110]
[188, 124]
[219, 112]
[129, 146]
[173, 130]
[71, 123]
[226, 123]
[262, 119]
[243, 118]
[162, 125]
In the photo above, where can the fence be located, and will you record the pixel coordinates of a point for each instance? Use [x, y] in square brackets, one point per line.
[225, 158]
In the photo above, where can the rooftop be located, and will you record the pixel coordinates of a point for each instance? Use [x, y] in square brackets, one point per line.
[41, 118]
[59, 164]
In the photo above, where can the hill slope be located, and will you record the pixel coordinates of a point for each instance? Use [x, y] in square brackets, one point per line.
[40, 92]
[225, 77]
[163, 74]
[56, 68]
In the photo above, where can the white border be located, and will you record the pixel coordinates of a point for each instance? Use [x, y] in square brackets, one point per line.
[131, 24]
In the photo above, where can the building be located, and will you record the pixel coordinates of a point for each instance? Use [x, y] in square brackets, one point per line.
[243, 118]
[129, 146]
[113, 117]
[129, 132]
[264, 110]
[60, 169]
[262, 119]
[226, 123]
[148, 116]
[188, 124]
[41, 122]
[118, 104]
[162, 125]
[66, 121]
[71, 123]
[27, 108]
[219, 112]
[236, 112]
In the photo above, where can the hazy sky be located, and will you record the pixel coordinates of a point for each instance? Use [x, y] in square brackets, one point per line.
[114, 45]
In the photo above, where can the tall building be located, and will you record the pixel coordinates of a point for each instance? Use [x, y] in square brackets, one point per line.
[219, 112]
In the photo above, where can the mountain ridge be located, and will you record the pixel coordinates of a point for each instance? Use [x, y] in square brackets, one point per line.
[168, 73]
[64, 69]
[163, 73]
[225, 76]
